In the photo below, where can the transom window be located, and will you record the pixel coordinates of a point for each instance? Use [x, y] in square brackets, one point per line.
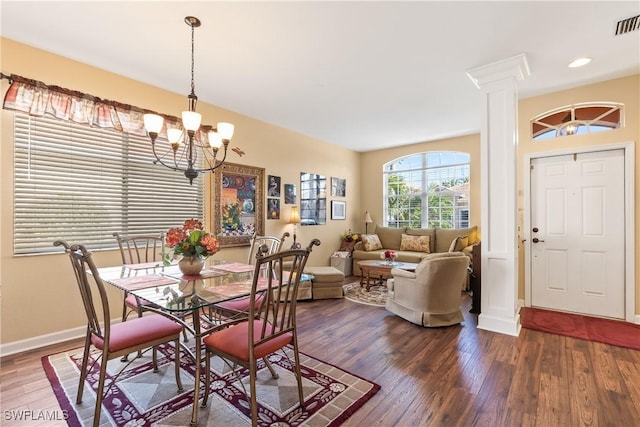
[577, 119]
[82, 184]
[427, 190]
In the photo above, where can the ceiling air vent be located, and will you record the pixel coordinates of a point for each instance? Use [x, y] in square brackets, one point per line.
[627, 25]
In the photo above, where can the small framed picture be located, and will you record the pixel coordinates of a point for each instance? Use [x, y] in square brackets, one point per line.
[289, 194]
[338, 209]
[273, 189]
[338, 187]
[274, 209]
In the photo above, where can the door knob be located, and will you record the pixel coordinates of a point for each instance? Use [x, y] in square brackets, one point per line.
[535, 229]
[536, 240]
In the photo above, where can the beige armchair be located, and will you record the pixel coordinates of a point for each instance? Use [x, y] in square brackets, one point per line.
[431, 295]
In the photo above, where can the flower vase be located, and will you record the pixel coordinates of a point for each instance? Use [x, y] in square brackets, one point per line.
[191, 265]
[389, 261]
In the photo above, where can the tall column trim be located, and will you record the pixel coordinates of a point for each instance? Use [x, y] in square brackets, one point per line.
[498, 138]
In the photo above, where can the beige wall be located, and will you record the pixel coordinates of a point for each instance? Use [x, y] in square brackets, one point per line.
[39, 296]
[624, 90]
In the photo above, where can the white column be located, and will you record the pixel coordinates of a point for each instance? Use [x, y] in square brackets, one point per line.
[498, 138]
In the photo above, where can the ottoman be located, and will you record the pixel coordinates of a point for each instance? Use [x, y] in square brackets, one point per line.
[327, 282]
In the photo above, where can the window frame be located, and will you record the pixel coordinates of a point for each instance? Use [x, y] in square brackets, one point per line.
[424, 171]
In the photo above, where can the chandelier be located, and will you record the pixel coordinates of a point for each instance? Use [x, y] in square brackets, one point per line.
[185, 150]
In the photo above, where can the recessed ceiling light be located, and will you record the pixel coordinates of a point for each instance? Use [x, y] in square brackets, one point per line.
[579, 62]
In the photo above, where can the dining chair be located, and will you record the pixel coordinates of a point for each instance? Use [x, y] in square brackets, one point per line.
[118, 339]
[136, 249]
[268, 328]
[241, 305]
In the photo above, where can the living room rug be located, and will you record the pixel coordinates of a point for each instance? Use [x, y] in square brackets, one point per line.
[377, 294]
[614, 332]
[141, 397]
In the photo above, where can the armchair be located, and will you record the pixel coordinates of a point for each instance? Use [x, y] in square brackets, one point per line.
[430, 296]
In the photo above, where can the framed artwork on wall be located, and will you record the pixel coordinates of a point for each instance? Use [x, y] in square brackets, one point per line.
[238, 210]
[273, 190]
[274, 209]
[338, 209]
[338, 187]
[289, 194]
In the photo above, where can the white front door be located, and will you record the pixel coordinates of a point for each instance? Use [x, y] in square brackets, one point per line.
[577, 233]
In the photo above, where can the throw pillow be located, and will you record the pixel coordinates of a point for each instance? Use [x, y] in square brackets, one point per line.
[347, 246]
[415, 243]
[371, 242]
[459, 243]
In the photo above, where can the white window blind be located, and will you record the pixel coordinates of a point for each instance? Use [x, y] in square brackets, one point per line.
[82, 184]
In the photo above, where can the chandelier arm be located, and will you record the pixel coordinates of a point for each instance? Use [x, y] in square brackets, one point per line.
[216, 163]
[159, 160]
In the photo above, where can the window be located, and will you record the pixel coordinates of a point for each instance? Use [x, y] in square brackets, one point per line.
[576, 120]
[82, 184]
[427, 190]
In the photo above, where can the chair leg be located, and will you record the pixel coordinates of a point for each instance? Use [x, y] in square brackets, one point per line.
[176, 356]
[99, 391]
[154, 351]
[252, 387]
[83, 369]
[296, 357]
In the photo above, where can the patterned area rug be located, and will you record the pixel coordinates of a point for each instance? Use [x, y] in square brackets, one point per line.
[377, 294]
[141, 397]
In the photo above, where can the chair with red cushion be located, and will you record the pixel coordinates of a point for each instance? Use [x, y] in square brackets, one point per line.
[240, 306]
[118, 339]
[269, 327]
[135, 250]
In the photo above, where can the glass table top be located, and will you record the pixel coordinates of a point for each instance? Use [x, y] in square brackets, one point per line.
[168, 288]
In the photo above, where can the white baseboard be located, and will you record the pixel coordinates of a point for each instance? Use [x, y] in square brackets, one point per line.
[41, 341]
[501, 325]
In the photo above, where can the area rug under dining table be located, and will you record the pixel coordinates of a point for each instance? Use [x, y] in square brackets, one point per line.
[141, 397]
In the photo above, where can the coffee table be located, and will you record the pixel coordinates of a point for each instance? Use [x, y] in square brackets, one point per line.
[380, 270]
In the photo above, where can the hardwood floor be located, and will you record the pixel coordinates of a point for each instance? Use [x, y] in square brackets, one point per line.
[454, 376]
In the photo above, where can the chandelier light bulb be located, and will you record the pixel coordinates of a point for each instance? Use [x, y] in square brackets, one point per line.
[174, 136]
[153, 123]
[191, 120]
[215, 141]
[225, 130]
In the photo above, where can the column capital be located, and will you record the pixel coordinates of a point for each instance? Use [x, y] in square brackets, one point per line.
[514, 67]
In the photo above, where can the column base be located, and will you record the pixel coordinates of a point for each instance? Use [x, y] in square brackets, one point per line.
[501, 325]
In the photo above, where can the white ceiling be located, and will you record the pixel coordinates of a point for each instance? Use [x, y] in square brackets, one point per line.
[365, 75]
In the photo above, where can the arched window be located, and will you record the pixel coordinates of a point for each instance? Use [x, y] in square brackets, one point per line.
[577, 119]
[427, 190]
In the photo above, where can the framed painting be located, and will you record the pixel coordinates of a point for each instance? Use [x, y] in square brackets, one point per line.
[289, 194]
[274, 186]
[238, 210]
[338, 209]
[338, 187]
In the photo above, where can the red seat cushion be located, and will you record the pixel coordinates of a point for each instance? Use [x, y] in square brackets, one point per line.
[242, 304]
[138, 331]
[235, 341]
[131, 301]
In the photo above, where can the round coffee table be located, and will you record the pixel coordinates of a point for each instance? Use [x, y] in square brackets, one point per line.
[380, 270]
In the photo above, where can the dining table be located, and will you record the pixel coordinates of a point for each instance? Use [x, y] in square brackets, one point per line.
[189, 300]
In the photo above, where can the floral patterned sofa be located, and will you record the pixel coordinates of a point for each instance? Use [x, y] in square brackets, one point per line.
[413, 244]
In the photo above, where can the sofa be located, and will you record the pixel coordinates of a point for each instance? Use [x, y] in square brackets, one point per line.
[413, 244]
[430, 296]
